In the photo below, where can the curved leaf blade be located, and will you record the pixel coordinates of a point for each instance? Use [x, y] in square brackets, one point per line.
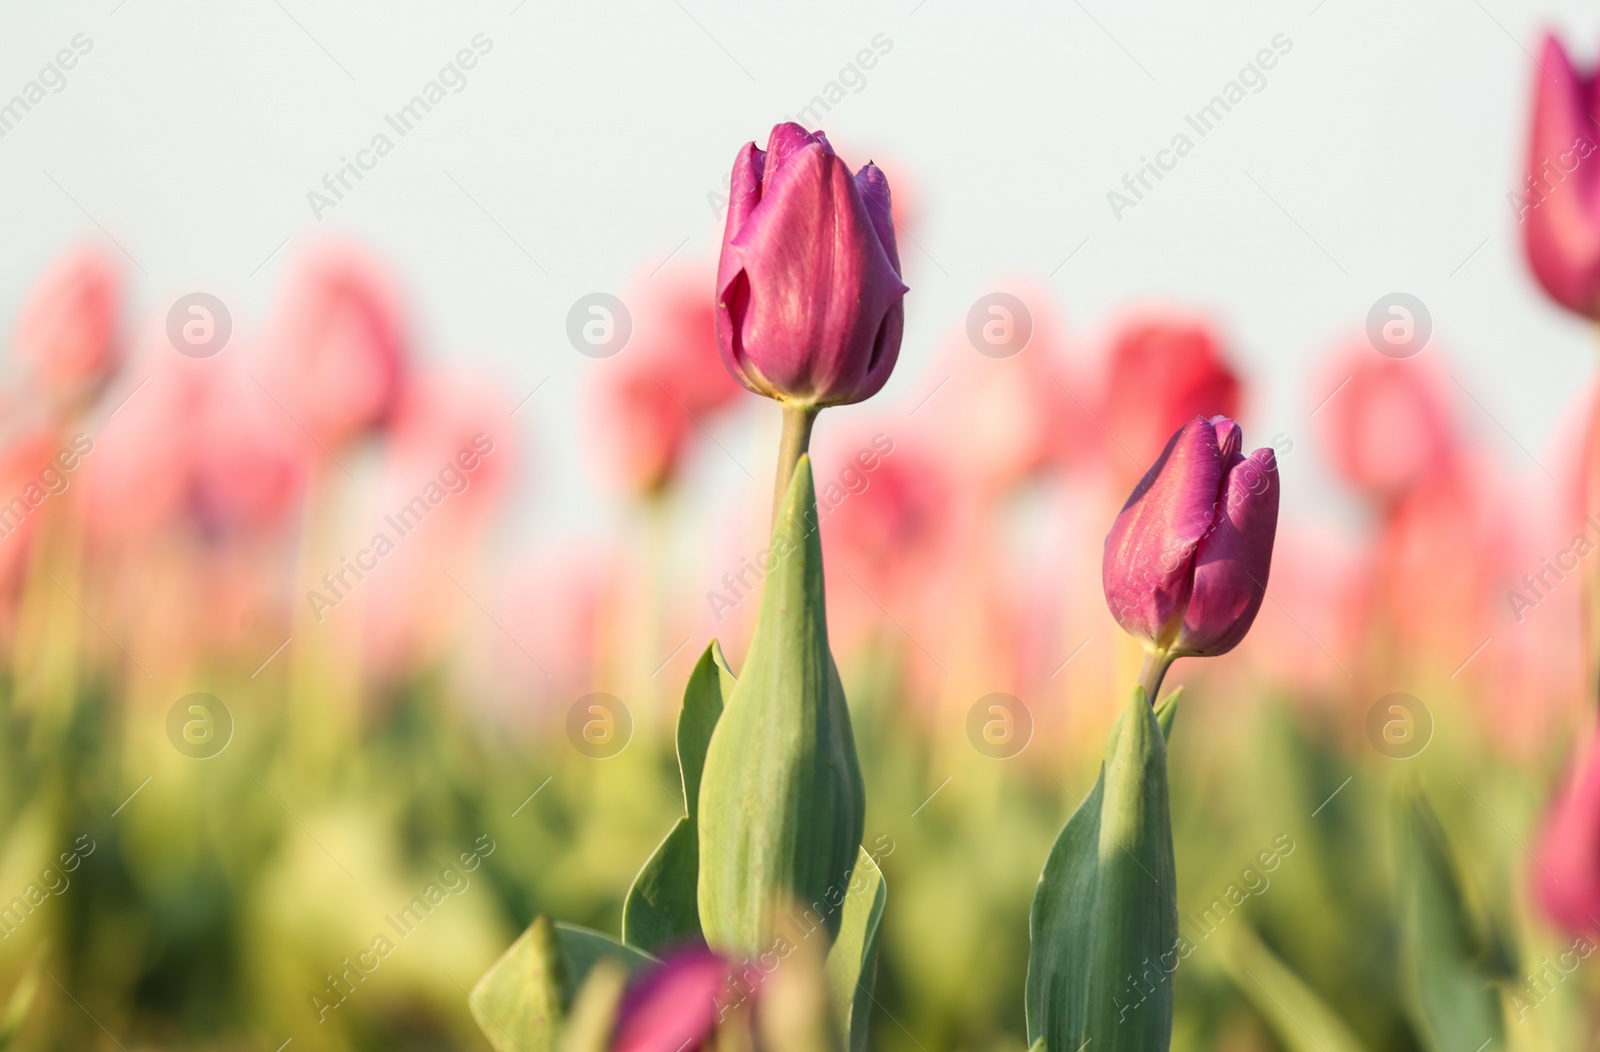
[1106, 905]
[1298, 1017]
[852, 964]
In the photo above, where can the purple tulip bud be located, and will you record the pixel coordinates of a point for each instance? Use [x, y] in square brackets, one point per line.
[676, 1006]
[809, 297]
[1186, 562]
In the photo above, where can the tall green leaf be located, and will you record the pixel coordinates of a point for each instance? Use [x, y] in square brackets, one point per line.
[781, 801]
[1298, 1017]
[1451, 961]
[660, 909]
[1104, 926]
[521, 1003]
[852, 964]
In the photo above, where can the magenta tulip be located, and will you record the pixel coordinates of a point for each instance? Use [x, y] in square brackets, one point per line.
[1559, 206]
[1186, 562]
[1566, 878]
[809, 297]
[676, 1006]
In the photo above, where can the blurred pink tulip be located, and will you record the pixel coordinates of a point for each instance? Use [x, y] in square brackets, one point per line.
[810, 305]
[669, 377]
[1162, 373]
[248, 459]
[337, 350]
[1559, 205]
[675, 1007]
[1186, 562]
[1385, 422]
[68, 327]
[1566, 879]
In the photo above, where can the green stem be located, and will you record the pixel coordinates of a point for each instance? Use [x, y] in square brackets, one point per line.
[796, 440]
[1156, 663]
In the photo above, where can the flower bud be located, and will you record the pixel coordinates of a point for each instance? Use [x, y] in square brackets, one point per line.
[1558, 206]
[809, 297]
[1186, 562]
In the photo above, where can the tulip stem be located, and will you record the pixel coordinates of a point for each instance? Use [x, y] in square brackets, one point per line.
[794, 444]
[1156, 663]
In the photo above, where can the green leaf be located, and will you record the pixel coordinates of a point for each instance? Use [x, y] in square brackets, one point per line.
[781, 802]
[1450, 958]
[1297, 1016]
[660, 909]
[1167, 711]
[852, 965]
[521, 1002]
[1106, 908]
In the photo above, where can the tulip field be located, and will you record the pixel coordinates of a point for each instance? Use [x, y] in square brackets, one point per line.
[1007, 691]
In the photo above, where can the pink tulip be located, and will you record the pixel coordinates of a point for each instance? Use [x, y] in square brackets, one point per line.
[675, 1008]
[1566, 879]
[809, 297]
[68, 326]
[249, 461]
[1559, 206]
[1186, 562]
[1163, 372]
[653, 398]
[338, 348]
[1385, 422]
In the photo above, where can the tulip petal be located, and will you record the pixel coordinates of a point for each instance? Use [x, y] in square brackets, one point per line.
[1560, 204]
[1149, 557]
[1232, 562]
[674, 1007]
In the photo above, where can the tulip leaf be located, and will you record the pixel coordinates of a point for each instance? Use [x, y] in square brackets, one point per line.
[521, 1003]
[1106, 906]
[781, 800]
[1167, 711]
[853, 961]
[1298, 1017]
[660, 910]
[1449, 956]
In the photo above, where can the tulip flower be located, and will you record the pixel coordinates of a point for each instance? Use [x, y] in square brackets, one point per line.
[675, 1007]
[67, 327]
[1186, 562]
[1559, 207]
[1386, 423]
[809, 297]
[1163, 372]
[1566, 878]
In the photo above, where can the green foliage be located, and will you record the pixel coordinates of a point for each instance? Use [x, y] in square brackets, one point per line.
[1105, 912]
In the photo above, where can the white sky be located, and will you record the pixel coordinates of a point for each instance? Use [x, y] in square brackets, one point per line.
[1387, 140]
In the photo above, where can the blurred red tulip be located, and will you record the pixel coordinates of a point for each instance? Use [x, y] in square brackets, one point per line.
[68, 327]
[338, 348]
[1386, 422]
[1559, 206]
[1162, 373]
[668, 377]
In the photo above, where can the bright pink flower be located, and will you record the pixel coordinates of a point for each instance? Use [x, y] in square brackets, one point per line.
[1560, 203]
[337, 350]
[1186, 562]
[675, 1007]
[248, 459]
[1162, 373]
[1567, 878]
[809, 299]
[68, 326]
[1385, 422]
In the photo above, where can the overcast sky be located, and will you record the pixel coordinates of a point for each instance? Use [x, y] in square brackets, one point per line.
[1375, 156]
